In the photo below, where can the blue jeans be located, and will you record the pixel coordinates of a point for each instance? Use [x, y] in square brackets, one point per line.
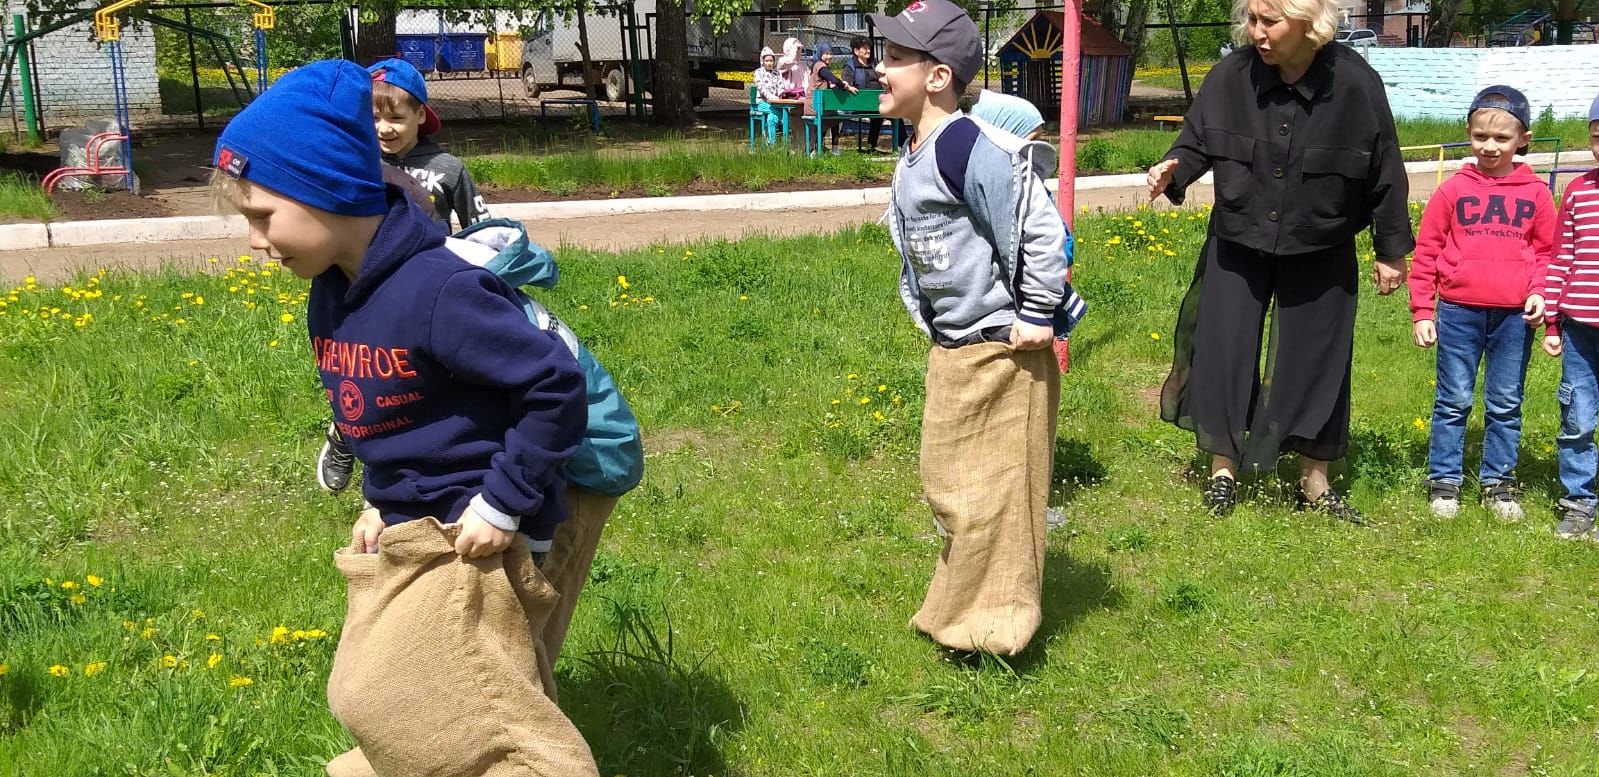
[1579, 407]
[1498, 338]
[771, 118]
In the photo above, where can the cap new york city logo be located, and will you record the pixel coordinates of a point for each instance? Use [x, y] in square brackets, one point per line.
[916, 7]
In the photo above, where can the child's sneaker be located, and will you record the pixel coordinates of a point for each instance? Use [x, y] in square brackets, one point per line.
[1500, 499]
[1332, 503]
[1443, 499]
[335, 464]
[1221, 496]
[1576, 522]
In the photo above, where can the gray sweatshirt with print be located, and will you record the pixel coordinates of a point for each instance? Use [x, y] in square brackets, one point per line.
[982, 242]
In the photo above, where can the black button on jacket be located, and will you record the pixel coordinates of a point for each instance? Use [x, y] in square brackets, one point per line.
[1298, 167]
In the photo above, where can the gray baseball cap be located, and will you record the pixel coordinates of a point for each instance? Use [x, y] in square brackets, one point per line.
[941, 29]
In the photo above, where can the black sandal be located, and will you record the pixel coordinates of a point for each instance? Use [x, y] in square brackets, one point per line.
[1221, 496]
[1332, 503]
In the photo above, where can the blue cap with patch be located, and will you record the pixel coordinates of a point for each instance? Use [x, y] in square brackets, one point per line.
[405, 76]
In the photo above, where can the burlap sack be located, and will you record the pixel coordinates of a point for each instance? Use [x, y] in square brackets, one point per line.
[435, 672]
[988, 437]
[567, 569]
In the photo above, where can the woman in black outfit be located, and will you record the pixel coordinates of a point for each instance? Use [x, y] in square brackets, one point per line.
[1305, 155]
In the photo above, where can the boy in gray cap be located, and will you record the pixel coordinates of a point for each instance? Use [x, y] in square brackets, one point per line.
[984, 275]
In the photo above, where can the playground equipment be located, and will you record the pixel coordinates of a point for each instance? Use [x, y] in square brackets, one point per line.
[108, 31]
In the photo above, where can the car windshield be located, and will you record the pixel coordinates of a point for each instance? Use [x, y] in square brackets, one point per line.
[1342, 35]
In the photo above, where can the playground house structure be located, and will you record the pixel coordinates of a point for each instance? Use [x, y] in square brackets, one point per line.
[1030, 68]
[108, 33]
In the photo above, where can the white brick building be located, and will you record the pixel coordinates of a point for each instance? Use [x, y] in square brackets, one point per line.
[72, 72]
[1441, 82]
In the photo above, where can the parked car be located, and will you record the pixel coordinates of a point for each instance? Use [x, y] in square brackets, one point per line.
[1359, 38]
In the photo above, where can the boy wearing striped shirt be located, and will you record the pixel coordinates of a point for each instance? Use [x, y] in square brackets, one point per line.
[1572, 297]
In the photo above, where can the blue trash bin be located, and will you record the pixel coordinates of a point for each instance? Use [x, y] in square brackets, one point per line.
[421, 51]
[462, 53]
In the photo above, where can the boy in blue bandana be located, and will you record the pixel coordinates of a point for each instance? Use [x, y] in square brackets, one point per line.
[460, 408]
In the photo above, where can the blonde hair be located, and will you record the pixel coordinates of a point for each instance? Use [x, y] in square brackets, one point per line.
[1321, 15]
[227, 192]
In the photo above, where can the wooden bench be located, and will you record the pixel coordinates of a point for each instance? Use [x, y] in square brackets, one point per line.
[840, 105]
[1161, 120]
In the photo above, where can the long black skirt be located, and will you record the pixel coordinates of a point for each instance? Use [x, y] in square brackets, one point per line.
[1216, 388]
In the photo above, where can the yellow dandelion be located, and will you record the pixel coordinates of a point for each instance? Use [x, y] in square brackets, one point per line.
[68, 585]
[838, 401]
[187, 295]
[866, 400]
[272, 344]
[90, 670]
[877, 414]
[197, 613]
[4, 668]
[59, 670]
[30, 280]
[79, 599]
[582, 307]
[212, 260]
[743, 298]
[199, 300]
[212, 660]
[94, 580]
[882, 387]
[129, 625]
[169, 661]
[1154, 335]
[852, 376]
[240, 682]
[213, 638]
[244, 259]
[1418, 423]
[280, 635]
[688, 253]
[181, 322]
[149, 632]
[287, 318]
[621, 280]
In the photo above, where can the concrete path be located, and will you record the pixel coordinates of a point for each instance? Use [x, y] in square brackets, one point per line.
[611, 232]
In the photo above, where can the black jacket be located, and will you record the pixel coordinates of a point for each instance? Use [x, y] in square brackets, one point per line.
[1298, 167]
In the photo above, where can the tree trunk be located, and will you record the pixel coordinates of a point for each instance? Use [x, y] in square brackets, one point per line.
[674, 99]
[1132, 33]
[1441, 27]
[590, 78]
[374, 40]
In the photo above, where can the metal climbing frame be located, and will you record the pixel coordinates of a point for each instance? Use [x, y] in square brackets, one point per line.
[263, 19]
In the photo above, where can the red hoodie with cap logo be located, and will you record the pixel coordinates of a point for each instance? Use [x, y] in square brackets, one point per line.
[1484, 242]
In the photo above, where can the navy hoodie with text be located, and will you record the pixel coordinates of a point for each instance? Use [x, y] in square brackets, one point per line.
[440, 384]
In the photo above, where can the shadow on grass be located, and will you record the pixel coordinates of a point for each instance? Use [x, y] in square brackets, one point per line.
[1075, 469]
[646, 710]
[1073, 589]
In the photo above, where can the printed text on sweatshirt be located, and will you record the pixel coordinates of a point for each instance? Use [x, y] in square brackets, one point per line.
[1484, 242]
[1572, 288]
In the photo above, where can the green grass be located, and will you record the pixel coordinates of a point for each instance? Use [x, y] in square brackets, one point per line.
[747, 611]
[20, 196]
[672, 165]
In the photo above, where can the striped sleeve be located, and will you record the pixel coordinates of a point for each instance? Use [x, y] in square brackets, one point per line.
[1571, 288]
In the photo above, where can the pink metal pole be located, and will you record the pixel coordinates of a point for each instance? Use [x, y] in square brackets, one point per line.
[1070, 56]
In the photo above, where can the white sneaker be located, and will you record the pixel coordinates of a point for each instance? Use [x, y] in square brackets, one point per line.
[1443, 499]
[1501, 500]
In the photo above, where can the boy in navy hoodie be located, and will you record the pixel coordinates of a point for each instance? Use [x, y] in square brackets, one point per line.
[457, 405]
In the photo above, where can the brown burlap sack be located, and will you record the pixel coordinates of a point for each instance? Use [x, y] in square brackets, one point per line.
[435, 672]
[988, 438]
[567, 569]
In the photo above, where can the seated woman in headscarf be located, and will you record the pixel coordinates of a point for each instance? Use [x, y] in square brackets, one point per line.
[768, 87]
[822, 77]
